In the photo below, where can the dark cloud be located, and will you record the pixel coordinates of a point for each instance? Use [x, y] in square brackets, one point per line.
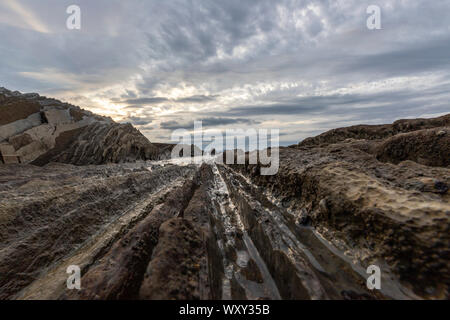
[367, 104]
[159, 100]
[143, 101]
[146, 127]
[197, 99]
[411, 59]
[234, 62]
[276, 108]
[211, 122]
[174, 125]
[206, 122]
[138, 121]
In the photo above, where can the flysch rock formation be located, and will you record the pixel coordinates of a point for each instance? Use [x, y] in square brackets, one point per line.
[379, 193]
[39, 130]
[162, 229]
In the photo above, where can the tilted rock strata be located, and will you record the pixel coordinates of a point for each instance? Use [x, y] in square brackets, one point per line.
[99, 144]
[375, 132]
[35, 129]
[384, 201]
[154, 230]
[47, 213]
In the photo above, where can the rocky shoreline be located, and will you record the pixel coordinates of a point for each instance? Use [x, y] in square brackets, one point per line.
[80, 189]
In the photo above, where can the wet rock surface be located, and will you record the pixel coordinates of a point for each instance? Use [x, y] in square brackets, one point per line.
[165, 229]
[174, 270]
[382, 202]
[48, 213]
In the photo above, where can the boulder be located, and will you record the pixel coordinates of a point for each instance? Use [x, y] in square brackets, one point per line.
[8, 154]
[42, 129]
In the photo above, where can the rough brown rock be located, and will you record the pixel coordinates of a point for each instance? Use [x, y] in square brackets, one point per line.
[64, 133]
[430, 147]
[47, 213]
[99, 144]
[183, 265]
[375, 132]
[341, 201]
[13, 109]
[173, 273]
[384, 201]
[118, 275]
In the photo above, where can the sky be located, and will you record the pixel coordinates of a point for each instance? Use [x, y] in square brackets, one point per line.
[299, 66]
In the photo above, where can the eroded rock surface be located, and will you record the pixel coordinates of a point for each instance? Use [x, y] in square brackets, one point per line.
[164, 229]
[376, 132]
[39, 130]
[47, 213]
[382, 201]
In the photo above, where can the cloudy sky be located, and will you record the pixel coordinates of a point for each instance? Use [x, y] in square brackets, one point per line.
[298, 65]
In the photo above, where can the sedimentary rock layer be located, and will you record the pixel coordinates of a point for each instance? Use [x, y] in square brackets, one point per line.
[165, 229]
[35, 129]
[46, 214]
[382, 201]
